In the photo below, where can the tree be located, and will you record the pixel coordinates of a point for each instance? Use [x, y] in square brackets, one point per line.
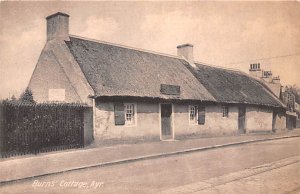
[296, 91]
[13, 98]
[27, 96]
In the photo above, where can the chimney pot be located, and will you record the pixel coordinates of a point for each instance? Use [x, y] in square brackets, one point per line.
[255, 70]
[58, 26]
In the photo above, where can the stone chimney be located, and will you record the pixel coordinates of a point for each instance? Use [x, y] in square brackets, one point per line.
[276, 80]
[255, 70]
[267, 76]
[186, 51]
[58, 26]
[275, 86]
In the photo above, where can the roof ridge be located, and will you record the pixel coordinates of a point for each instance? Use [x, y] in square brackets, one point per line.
[150, 51]
[124, 46]
[219, 67]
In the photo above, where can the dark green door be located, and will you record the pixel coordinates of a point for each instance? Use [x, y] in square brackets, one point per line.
[241, 120]
[166, 127]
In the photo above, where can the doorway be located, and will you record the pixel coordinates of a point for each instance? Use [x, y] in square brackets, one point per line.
[166, 121]
[242, 119]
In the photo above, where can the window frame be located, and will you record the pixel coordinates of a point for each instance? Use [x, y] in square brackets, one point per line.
[225, 111]
[195, 109]
[133, 113]
[195, 120]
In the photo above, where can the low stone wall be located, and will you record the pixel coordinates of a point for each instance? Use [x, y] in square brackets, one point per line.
[126, 140]
[205, 135]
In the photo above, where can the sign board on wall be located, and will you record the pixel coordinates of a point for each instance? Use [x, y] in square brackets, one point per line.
[57, 95]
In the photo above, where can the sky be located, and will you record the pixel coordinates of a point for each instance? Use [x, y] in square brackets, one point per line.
[227, 34]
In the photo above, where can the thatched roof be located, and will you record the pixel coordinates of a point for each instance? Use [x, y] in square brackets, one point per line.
[233, 86]
[114, 70]
[118, 71]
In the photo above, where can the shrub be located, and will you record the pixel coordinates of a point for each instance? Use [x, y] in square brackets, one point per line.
[27, 97]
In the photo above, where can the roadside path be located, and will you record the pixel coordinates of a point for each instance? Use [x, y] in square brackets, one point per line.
[19, 168]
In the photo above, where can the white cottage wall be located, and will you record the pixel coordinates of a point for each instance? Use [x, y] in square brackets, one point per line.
[146, 127]
[215, 124]
[258, 119]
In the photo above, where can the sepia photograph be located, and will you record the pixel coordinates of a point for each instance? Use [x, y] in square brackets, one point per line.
[142, 97]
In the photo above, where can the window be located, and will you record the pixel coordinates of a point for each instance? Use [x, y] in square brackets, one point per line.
[225, 111]
[197, 114]
[193, 114]
[129, 110]
[125, 114]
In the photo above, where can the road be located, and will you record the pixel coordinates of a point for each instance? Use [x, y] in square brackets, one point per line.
[162, 174]
[281, 180]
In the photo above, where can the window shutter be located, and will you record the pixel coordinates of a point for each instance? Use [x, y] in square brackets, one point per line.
[201, 115]
[119, 114]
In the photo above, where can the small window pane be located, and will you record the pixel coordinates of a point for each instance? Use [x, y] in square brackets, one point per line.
[129, 110]
[193, 114]
[225, 111]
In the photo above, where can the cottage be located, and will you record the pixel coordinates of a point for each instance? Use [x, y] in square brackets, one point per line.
[250, 102]
[288, 98]
[138, 94]
[287, 119]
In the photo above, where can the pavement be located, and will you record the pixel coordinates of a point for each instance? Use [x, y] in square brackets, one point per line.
[32, 166]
